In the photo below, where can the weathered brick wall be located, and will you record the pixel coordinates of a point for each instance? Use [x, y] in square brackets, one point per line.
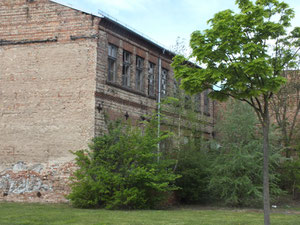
[53, 69]
[47, 83]
[42, 20]
[114, 99]
[36, 182]
[47, 101]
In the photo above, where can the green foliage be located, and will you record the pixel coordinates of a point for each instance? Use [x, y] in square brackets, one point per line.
[185, 145]
[236, 165]
[193, 167]
[290, 176]
[236, 51]
[63, 214]
[239, 61]
[285, 105]
[121, 171]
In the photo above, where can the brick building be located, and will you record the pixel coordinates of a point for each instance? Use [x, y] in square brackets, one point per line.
[61, 70]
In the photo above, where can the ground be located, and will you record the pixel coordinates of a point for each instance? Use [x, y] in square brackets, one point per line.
[52, 214]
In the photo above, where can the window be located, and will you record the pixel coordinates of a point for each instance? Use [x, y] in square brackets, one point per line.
[176, 91]
[112, 62]
[139, 78]
[186, 140]
[126, 69]
[187, 102]
[151, 81]
[198, 102]
[206, 103]
[164, 77]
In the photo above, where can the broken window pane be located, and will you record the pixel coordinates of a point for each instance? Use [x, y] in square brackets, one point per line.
[139, 79]
[151, 81]
[126, 69]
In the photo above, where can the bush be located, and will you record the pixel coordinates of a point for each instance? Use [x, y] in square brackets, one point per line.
[290, 168]
[193, 167]
[236, 170]
[121, 170]
[290, 176]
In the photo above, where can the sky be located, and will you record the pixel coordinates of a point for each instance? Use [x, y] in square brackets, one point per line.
[164, 20]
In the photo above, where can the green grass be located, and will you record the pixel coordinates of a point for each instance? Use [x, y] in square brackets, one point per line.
[34, 214]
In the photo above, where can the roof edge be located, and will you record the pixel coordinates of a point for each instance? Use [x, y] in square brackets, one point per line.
[69, 5]
[103, 15]
[139, 35]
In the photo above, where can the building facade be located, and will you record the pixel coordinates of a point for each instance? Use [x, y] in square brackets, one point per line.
[61, 71]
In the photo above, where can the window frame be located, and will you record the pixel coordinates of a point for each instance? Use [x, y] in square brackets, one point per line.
[198, 103]
[206, 102]
[151, 77]
[139, 74]
[164, 82]
[112, 60]
[126, 69]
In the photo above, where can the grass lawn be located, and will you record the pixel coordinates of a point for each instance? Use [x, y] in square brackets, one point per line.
[33, 214]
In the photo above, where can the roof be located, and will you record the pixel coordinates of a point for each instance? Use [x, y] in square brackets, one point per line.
[100, 14]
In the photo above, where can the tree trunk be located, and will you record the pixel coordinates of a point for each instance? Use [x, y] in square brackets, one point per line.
[266, 190]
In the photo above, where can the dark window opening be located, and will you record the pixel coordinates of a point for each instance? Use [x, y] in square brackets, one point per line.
[176, 91]
[187, 102]
[198, 102]
[206, 103]
[126, 69]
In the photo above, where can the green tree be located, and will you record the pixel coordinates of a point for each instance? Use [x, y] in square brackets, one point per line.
[193, 166]
[235, 171]
[285, 106]
[243, 55]
[121, 170]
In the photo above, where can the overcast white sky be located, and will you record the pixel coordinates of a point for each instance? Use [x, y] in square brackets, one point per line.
[165, 20]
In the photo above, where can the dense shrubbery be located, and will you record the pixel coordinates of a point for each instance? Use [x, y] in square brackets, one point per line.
[121, 170]
[290, 168]
[236, 169]
[229, 169]
[290, 176]
[193, 167]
